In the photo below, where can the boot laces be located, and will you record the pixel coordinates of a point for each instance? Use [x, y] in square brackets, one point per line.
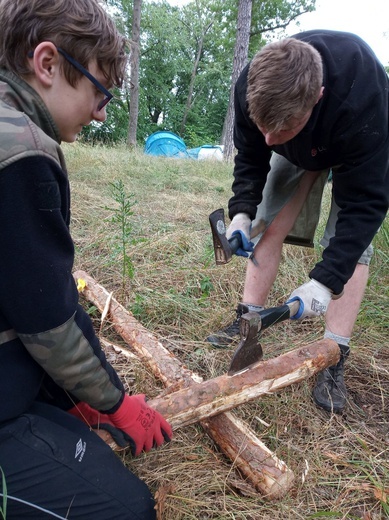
[336, 372]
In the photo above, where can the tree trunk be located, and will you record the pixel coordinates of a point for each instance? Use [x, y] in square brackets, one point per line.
[192, 79]
[240, 60]
[134, 74]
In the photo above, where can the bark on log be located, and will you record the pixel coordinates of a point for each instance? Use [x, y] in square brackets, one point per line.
[164, 365]
[254, 460]
[203, 400]
[258, 464]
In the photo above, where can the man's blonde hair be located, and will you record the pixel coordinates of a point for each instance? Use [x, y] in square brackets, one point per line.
[284, 82]
[82, 28]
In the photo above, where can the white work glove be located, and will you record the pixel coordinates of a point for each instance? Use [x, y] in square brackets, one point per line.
[241, 224]
[314, 298]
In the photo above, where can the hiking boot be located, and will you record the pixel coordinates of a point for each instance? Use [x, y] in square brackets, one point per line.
[223, 337]
[330, 390]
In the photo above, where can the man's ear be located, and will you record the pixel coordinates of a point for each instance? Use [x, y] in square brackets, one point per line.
[45, 63]
[320, 95]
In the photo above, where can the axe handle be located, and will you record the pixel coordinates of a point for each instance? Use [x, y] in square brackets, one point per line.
[235, 243]
[276, 314]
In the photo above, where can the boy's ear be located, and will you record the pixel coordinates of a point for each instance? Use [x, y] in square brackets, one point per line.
[45, 63]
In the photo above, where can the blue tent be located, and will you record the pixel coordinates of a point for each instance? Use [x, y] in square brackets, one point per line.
[194, 152]
[165, 143]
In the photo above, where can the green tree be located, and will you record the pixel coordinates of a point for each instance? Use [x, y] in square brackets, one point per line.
[186, 65]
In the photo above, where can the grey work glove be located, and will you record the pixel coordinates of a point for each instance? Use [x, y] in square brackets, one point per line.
[241, 224]
[314, 299]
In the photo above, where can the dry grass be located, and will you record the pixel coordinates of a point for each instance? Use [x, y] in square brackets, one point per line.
[340, 462]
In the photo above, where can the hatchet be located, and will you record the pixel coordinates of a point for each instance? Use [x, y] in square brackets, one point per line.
[224, 248]
[251, 324]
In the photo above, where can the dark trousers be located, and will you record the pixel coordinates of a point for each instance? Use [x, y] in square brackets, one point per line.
[54, 467]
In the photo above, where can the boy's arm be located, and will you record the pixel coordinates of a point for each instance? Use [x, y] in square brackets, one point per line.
[38, 295]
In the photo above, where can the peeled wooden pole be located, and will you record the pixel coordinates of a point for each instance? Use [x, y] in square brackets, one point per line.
[209, 398]
[257, 463]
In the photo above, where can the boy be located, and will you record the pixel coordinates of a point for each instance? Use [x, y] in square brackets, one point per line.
[58, 60]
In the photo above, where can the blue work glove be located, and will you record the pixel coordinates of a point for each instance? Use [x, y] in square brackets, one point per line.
[241, 225]
[314, 299]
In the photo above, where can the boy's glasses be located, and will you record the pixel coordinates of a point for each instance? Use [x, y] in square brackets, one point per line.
[97, 84]
[78, 66]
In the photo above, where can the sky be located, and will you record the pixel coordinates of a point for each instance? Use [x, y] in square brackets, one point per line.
[369, 20]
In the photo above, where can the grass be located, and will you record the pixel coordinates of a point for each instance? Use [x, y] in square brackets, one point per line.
[340, 462]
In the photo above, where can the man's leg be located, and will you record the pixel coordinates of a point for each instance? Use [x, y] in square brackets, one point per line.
[342, 313]
[54, 467]
[330, 391]
[260, 278]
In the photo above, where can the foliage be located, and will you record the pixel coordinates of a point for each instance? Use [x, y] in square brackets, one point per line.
[115, 128]
[170, 41]
[121, 217]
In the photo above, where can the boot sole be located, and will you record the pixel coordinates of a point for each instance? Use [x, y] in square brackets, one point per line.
[328, 407]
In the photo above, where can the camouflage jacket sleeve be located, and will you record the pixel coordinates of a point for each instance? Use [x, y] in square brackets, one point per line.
[38, 296]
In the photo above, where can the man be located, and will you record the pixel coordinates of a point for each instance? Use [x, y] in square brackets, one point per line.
[305, 105]
[58, 60]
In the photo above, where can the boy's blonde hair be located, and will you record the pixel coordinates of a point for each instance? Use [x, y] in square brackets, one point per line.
[81, 27]
[284, 82]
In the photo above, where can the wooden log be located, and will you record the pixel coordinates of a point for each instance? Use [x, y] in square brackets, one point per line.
[259, 465]
[118, 350]
[220, 394]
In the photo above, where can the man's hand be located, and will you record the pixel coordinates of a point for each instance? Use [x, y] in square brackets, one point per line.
[314, 299]
[144, 426]
[241, 224]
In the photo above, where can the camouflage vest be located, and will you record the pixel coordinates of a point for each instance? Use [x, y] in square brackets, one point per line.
[26, 126]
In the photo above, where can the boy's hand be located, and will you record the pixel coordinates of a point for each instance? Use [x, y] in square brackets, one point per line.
[99, 421]
[135, 424]
[144, 427]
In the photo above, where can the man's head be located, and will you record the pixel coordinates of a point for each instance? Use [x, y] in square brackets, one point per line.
[284, 84]
[55, 46]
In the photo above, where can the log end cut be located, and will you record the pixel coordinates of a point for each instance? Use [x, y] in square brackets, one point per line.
[275, 489]
[260, 466]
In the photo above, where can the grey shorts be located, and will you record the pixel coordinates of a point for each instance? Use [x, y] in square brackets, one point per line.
[282, 183]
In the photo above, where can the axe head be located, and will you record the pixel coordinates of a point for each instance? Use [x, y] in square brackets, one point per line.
[222, 248]
[249, 350]
[251, 324]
